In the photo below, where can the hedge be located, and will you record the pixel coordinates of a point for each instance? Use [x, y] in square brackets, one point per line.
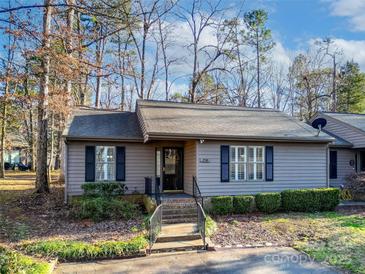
[103, 208]
[243, 204]
[268, 202]
[222, 205]
[14, 262]
[310, 200]
[68, 250]
[107, 189]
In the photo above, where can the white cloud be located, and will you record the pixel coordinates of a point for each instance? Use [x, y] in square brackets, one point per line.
[354, 10]
[281, 56]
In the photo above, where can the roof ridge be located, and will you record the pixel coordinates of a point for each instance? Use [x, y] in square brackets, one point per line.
[85, 108]
[346, 113]
[201, 105]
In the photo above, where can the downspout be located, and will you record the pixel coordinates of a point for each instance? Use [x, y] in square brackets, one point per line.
[327, 165]
[65, 171]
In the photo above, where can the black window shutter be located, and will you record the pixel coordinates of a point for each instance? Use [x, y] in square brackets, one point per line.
[224, 163]
[120, 164]
[269, 163]
[333, 164]
[90, 164]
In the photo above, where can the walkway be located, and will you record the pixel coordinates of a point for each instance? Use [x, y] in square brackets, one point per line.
[255, 261]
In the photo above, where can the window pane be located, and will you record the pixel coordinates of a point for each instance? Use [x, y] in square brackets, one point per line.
[241, 154]
[259, 171]
[251, 171]
[233, 154]
[105, 163]
[232, 172]
[158, 163]
[241, 171]
[259, 154]
[250, 154]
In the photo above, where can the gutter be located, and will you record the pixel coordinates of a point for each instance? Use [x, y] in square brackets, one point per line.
[159, 136]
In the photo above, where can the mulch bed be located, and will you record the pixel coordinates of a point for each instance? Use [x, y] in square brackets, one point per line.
[30, 216]
[245, 230]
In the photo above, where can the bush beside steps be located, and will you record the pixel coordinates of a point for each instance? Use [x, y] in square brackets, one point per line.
[301, 200]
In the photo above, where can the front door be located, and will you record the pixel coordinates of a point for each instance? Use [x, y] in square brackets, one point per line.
[362, 161]
[172, 169]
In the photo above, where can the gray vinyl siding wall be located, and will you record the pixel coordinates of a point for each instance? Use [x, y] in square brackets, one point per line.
[140, 163]
[295, 166]
[346, 132]
[189, 166]
[344, 156]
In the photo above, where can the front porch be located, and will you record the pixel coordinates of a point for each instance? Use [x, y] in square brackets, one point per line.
[175, 166]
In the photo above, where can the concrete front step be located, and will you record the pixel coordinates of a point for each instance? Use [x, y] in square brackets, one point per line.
[177, 246]
[178, 237]
[173, 211]
[180, 215]
[179, 220]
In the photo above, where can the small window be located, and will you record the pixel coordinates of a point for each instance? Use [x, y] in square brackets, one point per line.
[105, 163]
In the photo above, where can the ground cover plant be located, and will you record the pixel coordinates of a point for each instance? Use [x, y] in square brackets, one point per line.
[14, 262]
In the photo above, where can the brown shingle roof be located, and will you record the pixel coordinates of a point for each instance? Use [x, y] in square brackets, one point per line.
[168, 119]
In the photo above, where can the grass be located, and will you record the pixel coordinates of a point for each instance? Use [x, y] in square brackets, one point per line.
[14, 262]
[328, 237]
[67, 250]
[210, 226]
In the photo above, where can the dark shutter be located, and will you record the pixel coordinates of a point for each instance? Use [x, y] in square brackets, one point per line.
[269, 163]
[224, 163]
[90, 164]
[333, 164]
[120, 166]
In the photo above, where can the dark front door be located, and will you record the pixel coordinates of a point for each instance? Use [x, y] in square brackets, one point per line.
[172, 170]
[362, 161]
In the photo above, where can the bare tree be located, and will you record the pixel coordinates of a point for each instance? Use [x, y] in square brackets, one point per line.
[42, 183]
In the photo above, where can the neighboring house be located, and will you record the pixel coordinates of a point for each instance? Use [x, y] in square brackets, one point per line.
[347, 153]
[230, 150]
[16, 151]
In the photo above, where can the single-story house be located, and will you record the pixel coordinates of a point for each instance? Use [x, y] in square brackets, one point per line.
[347, 152]
[229, 150]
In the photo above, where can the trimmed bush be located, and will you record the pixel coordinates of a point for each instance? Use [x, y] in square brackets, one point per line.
[102, 208]
[107, 189]
[67, 250]
[268, 202]
[14, 262]
[310, 200]
[222, 205]
[243, 204]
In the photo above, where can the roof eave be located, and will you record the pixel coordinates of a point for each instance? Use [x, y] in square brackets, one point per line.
[156, 136]
[100, 139]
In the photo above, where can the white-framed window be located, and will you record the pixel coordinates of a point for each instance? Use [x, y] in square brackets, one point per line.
[256, 163]
[247, 163]
[238, 163]
[105, 163]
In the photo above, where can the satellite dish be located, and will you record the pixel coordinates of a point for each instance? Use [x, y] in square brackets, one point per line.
[319, 124]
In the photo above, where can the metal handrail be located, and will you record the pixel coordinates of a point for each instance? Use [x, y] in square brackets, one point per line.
[157, 191]
[154, 225]
[196, 192]
[201, 222]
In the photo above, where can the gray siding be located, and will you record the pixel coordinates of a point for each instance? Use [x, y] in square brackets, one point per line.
[344, 131]
[295, 166]
[344, 156]
[140, 163]
[189, 166]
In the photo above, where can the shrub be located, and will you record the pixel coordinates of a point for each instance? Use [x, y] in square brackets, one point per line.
[67, 250]
[107, 189]
[243, 204]
[14, 262]
[310, 200]
[210, 226]
[102, 208]
[222, 205]
[268, 202]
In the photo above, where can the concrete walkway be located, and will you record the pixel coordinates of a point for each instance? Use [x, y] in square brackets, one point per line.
[259, 260]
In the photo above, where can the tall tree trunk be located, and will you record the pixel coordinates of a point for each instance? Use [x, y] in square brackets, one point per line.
[69, 35]
[258, 70]
[3, 128]
[51, 154]
[42, 183]
[99, 58]
[334, 93]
